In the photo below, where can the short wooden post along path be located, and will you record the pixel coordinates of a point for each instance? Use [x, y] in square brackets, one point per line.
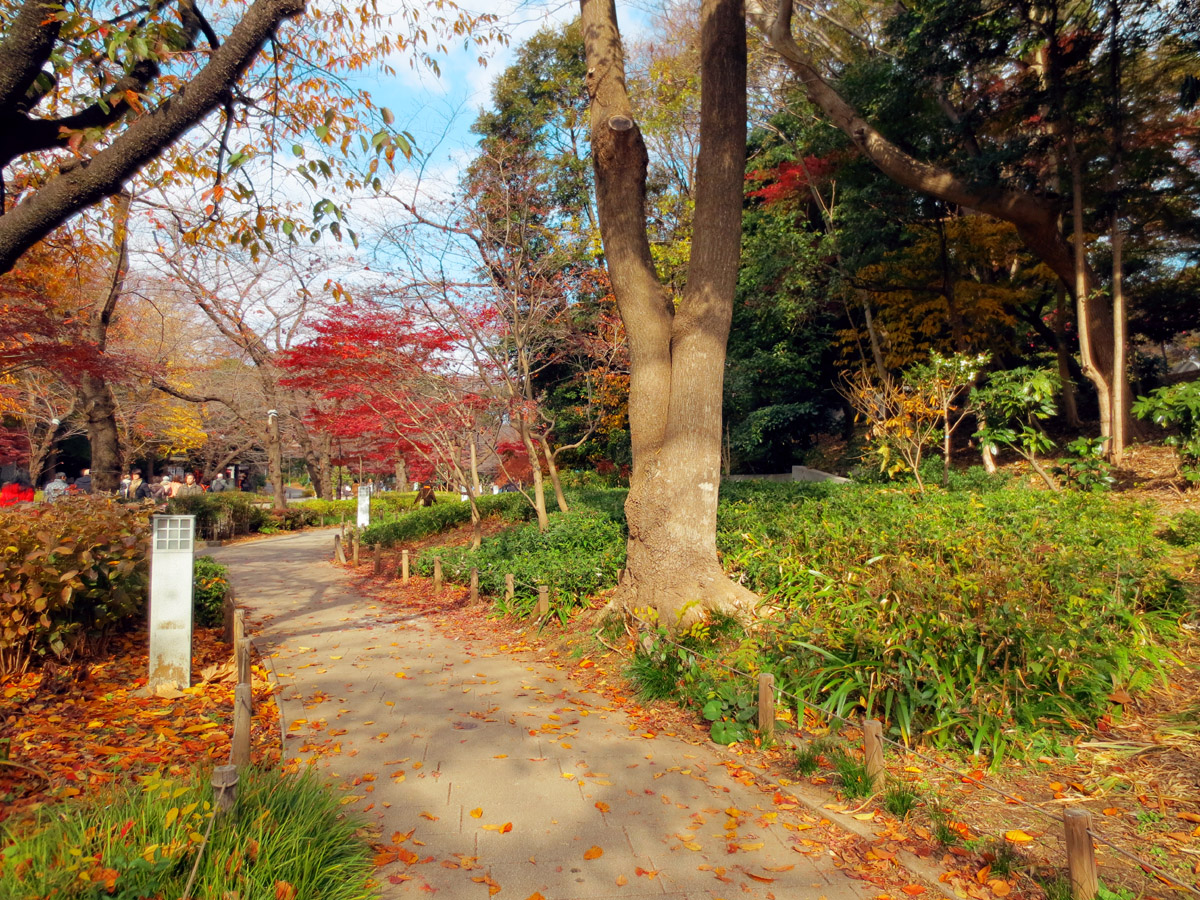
[437, 573]
[766, 706]
[404, 567]
[474, 584]
[1081, 856]
[339, 553]
[510, 587]
[543, 607]
[873, 752]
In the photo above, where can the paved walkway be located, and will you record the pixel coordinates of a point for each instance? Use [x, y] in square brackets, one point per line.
[490, 772]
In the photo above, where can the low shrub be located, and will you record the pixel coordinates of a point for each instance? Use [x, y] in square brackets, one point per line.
[210, 587]
[69, 573]
[580, 553]
[288, 835]
[442, 516]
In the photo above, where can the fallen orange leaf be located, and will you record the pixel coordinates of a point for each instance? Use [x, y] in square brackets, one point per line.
[602, 806]
[284, 891]
[1017, 836]
[913, 890]
[477, 812]
[622, 881]
[593, 853]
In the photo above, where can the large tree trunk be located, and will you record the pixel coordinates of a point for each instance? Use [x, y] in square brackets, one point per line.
[677, 357]
[93, 390]
[100, 407]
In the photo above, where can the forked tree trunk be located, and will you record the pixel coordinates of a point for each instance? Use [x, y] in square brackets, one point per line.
[559, 497]
[677, 355]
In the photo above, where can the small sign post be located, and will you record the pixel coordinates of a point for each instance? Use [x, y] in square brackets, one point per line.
[173, 547]
[364, 505]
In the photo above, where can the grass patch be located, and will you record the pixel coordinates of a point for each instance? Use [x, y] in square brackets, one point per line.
[852, 773]
[900, 798]
[142, 841]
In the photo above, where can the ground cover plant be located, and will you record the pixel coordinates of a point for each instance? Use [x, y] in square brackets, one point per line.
[973, 618]
[580, 553]
[979, 616]
[287, 837]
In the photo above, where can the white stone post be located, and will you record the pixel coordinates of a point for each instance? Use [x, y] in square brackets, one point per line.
[173, 547]
[364, 505]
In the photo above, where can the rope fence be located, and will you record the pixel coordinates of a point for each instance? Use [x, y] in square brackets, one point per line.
[1079, 831]
[1080, 854]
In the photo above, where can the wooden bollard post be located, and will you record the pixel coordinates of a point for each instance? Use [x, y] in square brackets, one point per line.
[766, 706]
[243, 710]
[437, 573]
[241, 646]
[224, 784]
[404, 566]
[510, 586]
[474, 584]
[873, 752]
[339, 554]
[356, 550]
[227, 610]
[378, 559]
[1081, 856]
[543, 607]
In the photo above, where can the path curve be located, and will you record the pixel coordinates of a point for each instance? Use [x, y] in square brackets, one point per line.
[506, 774]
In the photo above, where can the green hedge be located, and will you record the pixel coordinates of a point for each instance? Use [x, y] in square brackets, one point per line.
[442, 516]
[580, 553]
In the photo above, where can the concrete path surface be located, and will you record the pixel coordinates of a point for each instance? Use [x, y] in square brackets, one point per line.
[491, 775]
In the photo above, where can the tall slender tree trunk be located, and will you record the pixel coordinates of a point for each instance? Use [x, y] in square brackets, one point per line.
[401, 472]
[1063, 355]
[1120, 384]
[677, 354]
[275, 461]
[559, 497]
[535, 465]
[1088, 340]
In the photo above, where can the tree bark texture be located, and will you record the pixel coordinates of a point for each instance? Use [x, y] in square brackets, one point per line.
[105, 173]
[677, 355]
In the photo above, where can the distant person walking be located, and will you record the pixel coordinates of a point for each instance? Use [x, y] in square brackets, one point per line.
[83, 483]
[219, 484]
[425, 496]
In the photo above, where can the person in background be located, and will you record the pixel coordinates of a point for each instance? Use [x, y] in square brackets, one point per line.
[55, 490]
[425, 496]
[189, 487]
[162, 489]
[17, 491]
[83, 483]
[138, 489]
[219, 484]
